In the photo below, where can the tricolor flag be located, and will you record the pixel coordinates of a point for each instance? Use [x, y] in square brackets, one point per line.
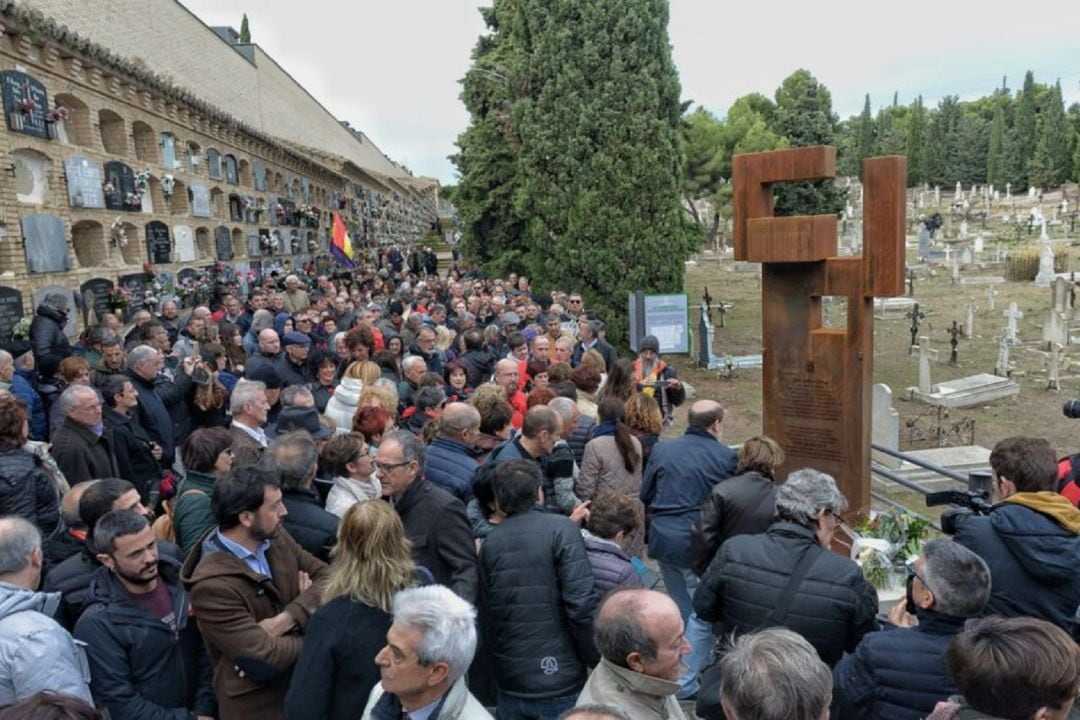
[341, 246]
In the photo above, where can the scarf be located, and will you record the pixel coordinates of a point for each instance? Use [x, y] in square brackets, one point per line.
[605, 429]
[649, 380]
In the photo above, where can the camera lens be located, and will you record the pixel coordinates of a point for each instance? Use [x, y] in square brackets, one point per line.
[1072, 409]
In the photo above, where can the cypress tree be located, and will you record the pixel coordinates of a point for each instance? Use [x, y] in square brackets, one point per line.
[995, 158]
[245, 31]
[1022, 139]
[865, 140]
[915, 148]
[1050, 164]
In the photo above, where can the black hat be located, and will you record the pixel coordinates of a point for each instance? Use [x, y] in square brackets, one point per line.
[649, 342]
[17, 348]
[266, 375]
[302, 418]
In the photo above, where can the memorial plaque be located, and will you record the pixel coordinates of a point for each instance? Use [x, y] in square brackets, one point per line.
[223, 243]
[232, 176]
[817, 380]
[136, 285]
[11, 311]
[26, 103]
[253, 249]
[168, 151]
[185, 244]
[213, 163]
[121, 178]
[158, 246]
[258, 173]
[45, 241]
[71, 327]
[84, 183]
[199, 195]
[95, 297]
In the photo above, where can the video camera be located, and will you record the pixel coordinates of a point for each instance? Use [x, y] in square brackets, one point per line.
[1071, 409]
[967, 502]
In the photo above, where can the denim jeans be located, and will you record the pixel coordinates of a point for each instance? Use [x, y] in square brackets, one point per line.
[681, 583]
[511, 707]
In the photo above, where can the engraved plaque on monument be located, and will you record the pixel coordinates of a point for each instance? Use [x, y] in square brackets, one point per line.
[199, 195]
[185, 244]
[121, 181]
[136, 283]
[11, 311]
[45, 241]
[817, 380]
[84, 183]
[223, 243]
[95, 296]
[158, 246]
[26, 104]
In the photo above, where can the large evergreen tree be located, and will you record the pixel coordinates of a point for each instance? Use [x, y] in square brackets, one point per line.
[1050, 164]
[995, 156]
[804, 116]
[864, 147]
[1022, 139]
[915, 147]
[599, 153]
[245, 31]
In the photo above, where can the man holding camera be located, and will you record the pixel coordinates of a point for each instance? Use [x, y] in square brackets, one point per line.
[1030, 539]
[656, 378]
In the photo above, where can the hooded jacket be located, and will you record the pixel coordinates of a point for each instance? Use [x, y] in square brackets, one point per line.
[37, 654]
[342, 405]
[1031, 543]
[140, 668]
[27, 489]
[47, 334]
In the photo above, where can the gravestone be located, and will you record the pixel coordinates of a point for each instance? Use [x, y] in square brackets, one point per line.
[926, 357]
[969, 320]
[1013, 314]
[924, 241]
[817, 381]
[71, 327]
[45, 241]
[706, 358]
[95, 297]
[185, 244]
[223, 243]
[84, 183]
[158, 246]
[122, 180]
[26, 104]
[11, 311]
[136, 283]
[885, 426]
[1045, 275]
[200, 200]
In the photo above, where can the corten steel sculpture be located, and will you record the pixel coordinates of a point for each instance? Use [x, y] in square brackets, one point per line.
[817, 380]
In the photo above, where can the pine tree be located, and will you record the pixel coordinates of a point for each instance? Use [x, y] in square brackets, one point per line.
[599, 154]
[915, 147]
[804, 116]
[245, 31]
[995, 158]
[1050, 164]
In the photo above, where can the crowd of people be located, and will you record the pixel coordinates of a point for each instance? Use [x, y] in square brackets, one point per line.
[393, 494]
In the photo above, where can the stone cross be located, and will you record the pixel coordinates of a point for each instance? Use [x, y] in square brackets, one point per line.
[1002, 367]
[926, 356]
[817, 380]
[915, 315]
[954, 340]
[1013, 314]
[969, 320]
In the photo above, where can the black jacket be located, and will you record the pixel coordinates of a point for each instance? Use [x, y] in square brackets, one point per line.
[140, 669]
[154, 416]
[741, 505]
[610, 565]
[537, 602]
[131, 444]
[336, 670]
[442, 541]
[479, 364]
[47, 334]
[897, 674]
[1031, 543]
[580, 436]
[833, 607]
[81, 455]
[27, 490]
[312, 528]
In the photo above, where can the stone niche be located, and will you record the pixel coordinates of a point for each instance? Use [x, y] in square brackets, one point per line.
[31, 176]
[84, 183]
[185, 244]
[121, 178]
[88, 240]
[45, 241]
[26, 104]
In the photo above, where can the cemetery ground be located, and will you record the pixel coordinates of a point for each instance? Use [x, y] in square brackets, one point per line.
[1035, 411]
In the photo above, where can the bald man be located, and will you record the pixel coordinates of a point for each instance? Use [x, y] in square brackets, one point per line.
[60, 547]
[640, 636]
[451, 460]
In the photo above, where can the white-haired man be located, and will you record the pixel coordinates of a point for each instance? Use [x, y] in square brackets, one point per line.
[295, 296]
[428, 649]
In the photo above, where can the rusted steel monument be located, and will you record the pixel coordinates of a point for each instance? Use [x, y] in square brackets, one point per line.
[817, 380]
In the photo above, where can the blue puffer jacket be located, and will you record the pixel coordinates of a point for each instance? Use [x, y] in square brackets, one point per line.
[897, 674]
[451, 465]
[611, 567]
[678, 478]
[1031, 542]
[35, 406]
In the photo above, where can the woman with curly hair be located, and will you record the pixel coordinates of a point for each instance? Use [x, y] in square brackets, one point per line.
[26, 488]
[645, 421]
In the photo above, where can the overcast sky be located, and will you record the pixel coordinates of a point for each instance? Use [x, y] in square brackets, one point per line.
[392, 67]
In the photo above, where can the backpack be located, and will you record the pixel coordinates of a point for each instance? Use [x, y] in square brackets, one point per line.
[163, 527]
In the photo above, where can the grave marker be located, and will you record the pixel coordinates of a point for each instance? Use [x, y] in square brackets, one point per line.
[926, 356]
[26, 104]
[158, 246]
[45, 243]
[185, 244]
[11, 311]
[817, 381]
[223, 243]
[1013, 314]
[95, 297]
[84, 183]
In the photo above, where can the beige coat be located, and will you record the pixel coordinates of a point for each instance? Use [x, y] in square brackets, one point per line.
[639, 696]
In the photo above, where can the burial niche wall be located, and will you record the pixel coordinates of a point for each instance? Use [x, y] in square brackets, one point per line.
[178, 201]
[77, 128]
[146, 144]
[31, 170]
[133, 251]
[113, 134]
[213, 163]
[239, 245]
[245, 173]
[88, 240]
[203, 244]
[168, 151]
[194, 157]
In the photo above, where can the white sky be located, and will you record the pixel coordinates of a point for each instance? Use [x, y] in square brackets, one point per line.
[391, 67]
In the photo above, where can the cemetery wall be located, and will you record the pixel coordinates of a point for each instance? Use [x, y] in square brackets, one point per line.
[109, 167]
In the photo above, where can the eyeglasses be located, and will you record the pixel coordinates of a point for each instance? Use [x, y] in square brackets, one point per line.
[387, 467]
[910, 567]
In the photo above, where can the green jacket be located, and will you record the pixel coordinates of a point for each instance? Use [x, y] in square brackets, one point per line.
[192, 515]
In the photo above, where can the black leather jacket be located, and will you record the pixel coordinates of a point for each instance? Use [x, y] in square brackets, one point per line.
[741, 505]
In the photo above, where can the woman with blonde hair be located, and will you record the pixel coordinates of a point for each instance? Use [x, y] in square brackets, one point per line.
[744, 504]
[371, 562]
[645, 421]
[342, 406]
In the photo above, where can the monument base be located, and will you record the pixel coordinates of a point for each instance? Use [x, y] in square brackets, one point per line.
[967, 391]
